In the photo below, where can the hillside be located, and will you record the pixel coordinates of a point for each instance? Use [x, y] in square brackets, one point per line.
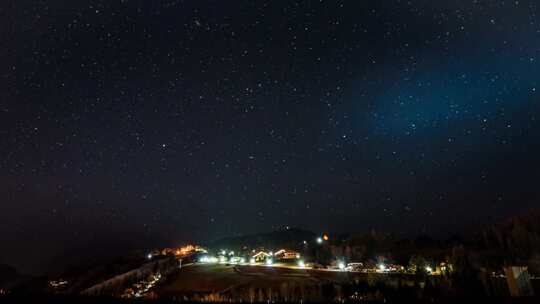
[288, 238]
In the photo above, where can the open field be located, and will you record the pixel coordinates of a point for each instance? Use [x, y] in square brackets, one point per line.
[247, 282]
[219, 278]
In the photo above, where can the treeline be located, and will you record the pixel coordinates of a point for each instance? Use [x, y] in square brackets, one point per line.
[517, 238]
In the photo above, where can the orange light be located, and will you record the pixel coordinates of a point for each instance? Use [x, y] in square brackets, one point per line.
[325, 237]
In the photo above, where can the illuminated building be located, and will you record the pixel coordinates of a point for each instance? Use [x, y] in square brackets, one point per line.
[261, 256]
[285, 254]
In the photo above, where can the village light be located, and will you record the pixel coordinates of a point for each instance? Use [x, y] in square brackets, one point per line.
[252, 261]
[429, 269]
[149, 256]
[242, 260]
[319, 240]
[382, 267]
[301, 264]
[269, 262]
[341, 266]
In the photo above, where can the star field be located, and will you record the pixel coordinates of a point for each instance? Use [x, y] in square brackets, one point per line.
[149, 122]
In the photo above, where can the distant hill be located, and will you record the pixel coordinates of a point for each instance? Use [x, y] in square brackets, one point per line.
[358, 246]
[288, 238]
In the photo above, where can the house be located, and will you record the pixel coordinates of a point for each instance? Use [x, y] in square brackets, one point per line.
[285, 254]
[260, 256]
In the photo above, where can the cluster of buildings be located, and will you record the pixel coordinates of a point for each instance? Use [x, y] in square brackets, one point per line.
[139, 289]
[58, 284]
[280, 255]
[368, 267]
[252, 257]
[286, 257]
[178, 251]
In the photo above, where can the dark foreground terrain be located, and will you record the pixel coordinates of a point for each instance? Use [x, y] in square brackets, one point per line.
[224, 283]
[47, 299]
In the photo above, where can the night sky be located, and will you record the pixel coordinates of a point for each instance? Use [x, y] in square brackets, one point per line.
[161, 122]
